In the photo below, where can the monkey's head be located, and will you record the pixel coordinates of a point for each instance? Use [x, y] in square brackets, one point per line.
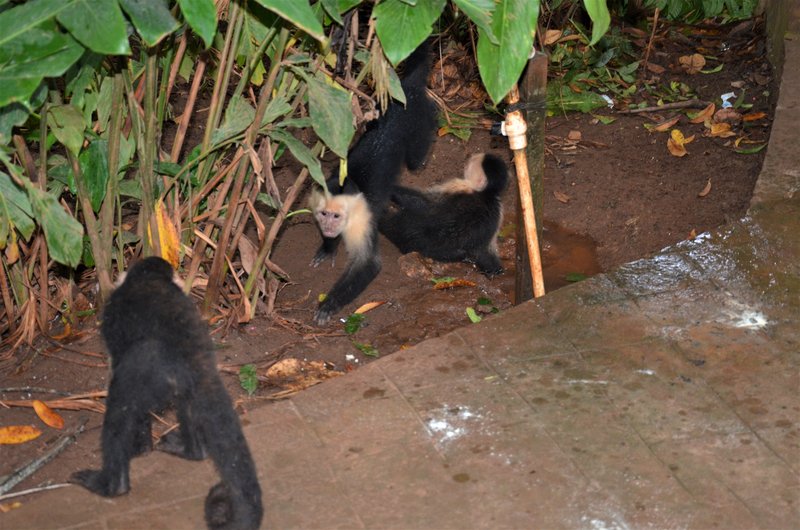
[150, 269]
[329, 212]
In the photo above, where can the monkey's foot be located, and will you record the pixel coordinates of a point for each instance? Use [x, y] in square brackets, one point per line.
[173, 443]
[322, 317]
[101, 483]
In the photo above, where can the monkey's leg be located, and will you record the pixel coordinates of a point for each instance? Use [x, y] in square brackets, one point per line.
[326, 250]
[409, 199]
[127, 416]
[187, 440]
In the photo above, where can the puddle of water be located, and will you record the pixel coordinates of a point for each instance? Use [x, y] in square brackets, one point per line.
[565, 254]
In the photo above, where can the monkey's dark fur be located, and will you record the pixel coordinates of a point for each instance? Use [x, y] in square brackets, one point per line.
[161, 356]
[401, 137]
[457, 221]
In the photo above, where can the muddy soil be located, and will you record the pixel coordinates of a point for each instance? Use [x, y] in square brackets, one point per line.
[612, 196]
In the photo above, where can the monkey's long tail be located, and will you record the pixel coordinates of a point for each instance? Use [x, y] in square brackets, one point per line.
[496, 173]
[416, 69]
[234, 502]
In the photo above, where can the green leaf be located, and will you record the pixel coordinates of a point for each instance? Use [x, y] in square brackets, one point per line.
[24, 62]
[67, 124]
[402, 27]
[751, 151]
[299, 13]
[445, 279]
[575, 276]
[276, 108]
[500, 65]
[99, 25]
[561, 98]
[201, 15]
[473, 316]
[238, 116]
[480, 12]
[601, 18]
[23, 18]
[63, 233]
[248, 378]
[17, 205]
[151, 18]
[12, 115]
[367, 349]
[605, 120]
[302, 153]
[714, 70]
[94, 168]
[353, 323]
[331, 114]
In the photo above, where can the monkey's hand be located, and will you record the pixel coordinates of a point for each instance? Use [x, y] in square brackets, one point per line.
[101, 482]
[321, 256]
[323, 316]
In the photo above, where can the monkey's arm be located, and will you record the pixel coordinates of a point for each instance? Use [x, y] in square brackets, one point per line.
[326, 250]
[356, 278]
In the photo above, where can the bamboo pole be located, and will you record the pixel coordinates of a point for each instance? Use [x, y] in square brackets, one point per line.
[515, 129]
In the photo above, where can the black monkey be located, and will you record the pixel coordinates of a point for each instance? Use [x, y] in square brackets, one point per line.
[162, 355]
[401, 137]
[454, 221]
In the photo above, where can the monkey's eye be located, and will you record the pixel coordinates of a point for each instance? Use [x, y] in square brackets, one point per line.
[336, 215]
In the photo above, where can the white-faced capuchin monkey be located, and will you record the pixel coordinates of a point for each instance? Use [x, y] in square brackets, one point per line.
[401, 137]
[162, 356]
[454, 221]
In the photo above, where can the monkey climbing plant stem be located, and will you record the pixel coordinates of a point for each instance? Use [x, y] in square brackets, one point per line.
[515, 130]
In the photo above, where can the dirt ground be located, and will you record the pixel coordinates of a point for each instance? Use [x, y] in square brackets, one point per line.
[614, 195]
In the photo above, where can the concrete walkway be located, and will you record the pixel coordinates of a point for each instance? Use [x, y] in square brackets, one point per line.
[665, 394]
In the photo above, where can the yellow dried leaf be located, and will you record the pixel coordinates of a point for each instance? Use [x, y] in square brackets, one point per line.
[551, 36]
[167, 236]
[48, 415]
[677, 136]
[458, 282]
[688, 139]
[706, 190]
[704, 114]
[369, 306]
[721, 130]
[18, 434]
[561, 197]
[692, 63]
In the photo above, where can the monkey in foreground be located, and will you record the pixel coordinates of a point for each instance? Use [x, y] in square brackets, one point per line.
[454, 221]
[162, 355]
[401, 137]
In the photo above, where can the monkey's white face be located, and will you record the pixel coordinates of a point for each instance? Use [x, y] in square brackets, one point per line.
[330, 212]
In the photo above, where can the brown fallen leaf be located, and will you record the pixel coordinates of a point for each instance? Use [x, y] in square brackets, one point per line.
[704, 114]
[662, 126]
[18, 434]
[575, 136]
[753, 116]
[692, 234]
[551, 36]
[656, 68]
[692, 64]
[706, 190]
[676, 143]
[731, 116]
[48, 415]
[561, 197]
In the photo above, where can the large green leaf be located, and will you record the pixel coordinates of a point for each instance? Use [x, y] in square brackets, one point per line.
[151, 18]
[18, 206]
[480, 12]
[201, 15]
[331, 114]
[500, 65]
[67, 124]
[561, 98]
[25, 17]
[97, 24]
[94, 168]
[299, 13]
[238, 116]
[302, 153]
[63, 233]
[598, 12]
[11, 116]
[402, 27]
[277, 107]
[25, 61]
